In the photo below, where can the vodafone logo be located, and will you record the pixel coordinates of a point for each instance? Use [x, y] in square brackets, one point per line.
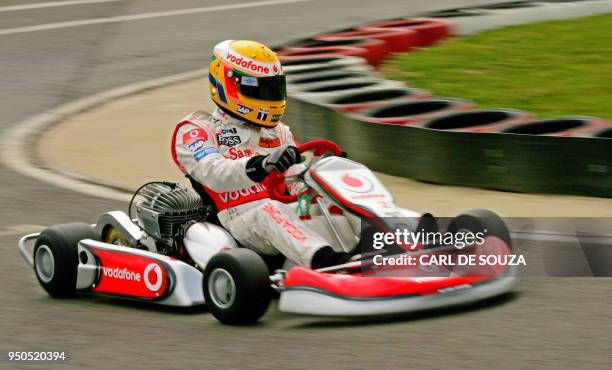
[121, 274]
[250, 64]
[131, 275]
[237, 194]
[153, 277]
[356, 183]
[194, 135]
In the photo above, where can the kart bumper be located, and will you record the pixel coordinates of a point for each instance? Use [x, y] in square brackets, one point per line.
[313, 301]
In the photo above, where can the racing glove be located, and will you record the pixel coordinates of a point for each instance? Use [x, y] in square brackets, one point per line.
[259, 166]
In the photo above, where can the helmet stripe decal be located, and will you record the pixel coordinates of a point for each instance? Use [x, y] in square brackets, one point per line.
[219, 87]
[230, 83]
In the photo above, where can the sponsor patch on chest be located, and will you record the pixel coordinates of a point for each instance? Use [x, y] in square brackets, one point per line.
[266, 142]
[235, 153]
[229, 140]
[228, 136]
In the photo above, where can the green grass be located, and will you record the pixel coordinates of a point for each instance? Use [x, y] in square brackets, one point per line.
[552, 69]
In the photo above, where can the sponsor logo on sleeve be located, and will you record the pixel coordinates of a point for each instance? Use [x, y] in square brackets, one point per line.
[204, 152]
[194, 135]
[195, 146]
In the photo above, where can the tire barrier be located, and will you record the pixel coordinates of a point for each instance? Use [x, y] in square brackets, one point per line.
[522, 163]
[509, 5]
[606, 133]
[321, 91]
[397, 39]
[378, 50]
[303, 66]
[483, 120]
[355, 102]
[564, 126]
[324, 51]
[429, 30]
[412, 112]
[305, 81]
[442, 140]
[454, 13]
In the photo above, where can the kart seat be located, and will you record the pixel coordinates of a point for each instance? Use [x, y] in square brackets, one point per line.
[206, 200]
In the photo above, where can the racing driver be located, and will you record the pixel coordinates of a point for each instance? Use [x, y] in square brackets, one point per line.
[228, 153]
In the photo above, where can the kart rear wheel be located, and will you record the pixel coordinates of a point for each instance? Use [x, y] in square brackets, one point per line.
[481, 220]
[237, 287]
[56, 257]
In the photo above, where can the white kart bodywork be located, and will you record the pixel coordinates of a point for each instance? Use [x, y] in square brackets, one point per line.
[318, 303]
[340, 182]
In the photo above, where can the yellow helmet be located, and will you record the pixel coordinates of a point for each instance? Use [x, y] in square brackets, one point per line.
[246, 80]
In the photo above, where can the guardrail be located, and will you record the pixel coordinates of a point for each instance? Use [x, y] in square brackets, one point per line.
[406, 132]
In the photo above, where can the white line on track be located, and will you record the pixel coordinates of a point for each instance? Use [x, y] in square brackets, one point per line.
[16, 155]
[52, 4]
[133, 17]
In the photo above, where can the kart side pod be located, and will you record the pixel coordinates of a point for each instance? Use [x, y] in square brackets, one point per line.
[108, 269]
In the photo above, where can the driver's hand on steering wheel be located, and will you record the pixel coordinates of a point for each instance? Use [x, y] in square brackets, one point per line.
[258, 167]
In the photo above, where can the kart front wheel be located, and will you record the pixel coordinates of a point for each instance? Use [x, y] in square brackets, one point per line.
[56, 257]
[237, 287]
[481, 220]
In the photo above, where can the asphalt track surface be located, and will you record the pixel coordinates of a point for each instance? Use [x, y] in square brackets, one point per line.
[547, 322]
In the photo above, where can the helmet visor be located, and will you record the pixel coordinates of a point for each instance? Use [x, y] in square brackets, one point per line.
[263, 88]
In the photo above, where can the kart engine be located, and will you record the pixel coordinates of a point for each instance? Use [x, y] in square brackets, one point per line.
[163, 209]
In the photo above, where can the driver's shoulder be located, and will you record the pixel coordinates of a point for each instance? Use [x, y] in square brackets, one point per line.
[196, 120]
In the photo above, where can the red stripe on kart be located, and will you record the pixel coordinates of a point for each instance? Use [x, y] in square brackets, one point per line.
[371, 287]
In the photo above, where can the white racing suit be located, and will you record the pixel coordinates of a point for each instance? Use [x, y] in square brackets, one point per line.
[213, 149]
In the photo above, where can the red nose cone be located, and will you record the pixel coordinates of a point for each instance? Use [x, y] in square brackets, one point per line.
[351, 181]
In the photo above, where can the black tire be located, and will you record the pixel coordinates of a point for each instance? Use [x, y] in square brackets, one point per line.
[251, 284]
[478, 220]
[57, 247]
[429, 224]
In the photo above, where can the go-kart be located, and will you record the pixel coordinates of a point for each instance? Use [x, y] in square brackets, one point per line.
[167, 250]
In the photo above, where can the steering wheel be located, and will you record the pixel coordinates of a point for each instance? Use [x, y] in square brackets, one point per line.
[275, 179]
